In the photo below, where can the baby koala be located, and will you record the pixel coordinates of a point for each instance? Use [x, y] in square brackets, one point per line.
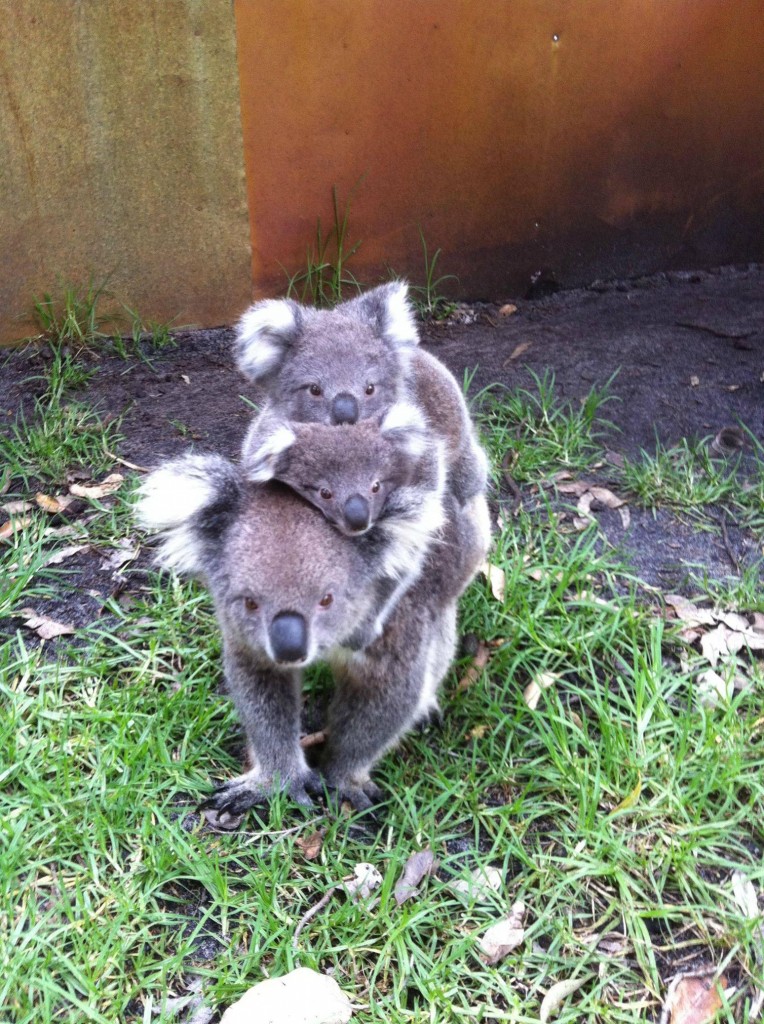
[383, 476]
[289, 589]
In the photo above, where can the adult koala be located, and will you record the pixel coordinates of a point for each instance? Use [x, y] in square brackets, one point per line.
[289, 590]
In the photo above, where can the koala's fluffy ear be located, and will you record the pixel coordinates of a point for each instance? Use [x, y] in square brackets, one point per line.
[188, 502]
[264, 335]
[267, 440]
[404, 425]
[389, 311]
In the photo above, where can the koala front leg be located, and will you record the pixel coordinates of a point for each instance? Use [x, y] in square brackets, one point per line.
[268, 702]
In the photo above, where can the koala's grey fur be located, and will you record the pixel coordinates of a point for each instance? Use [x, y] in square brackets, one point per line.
[265, 554]
[385, 474]
[354, 362]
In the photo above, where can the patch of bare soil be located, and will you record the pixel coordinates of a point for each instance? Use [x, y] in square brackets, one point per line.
[686, 349]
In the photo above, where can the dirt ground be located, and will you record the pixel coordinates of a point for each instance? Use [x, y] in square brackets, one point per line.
[686, 349]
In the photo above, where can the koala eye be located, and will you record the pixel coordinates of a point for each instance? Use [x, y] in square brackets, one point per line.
[315, 390]
[250, 604]
[325, 493]
[326, 600]
[369, 389]
[375, 486]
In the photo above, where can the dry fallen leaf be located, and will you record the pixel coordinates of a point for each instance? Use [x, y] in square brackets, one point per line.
[111, 484]
[481, 884]
[125, 551]
[417, 867]
[575, 487]
[518, 350]
[63, 553]
[606, 497]
[364, 881]
[556, 994]
[495, 577]
[310, 846]
[711, 688]
[15, 508]
[303, 996]
[8, 529]
[631, 798]
[53, 504]
[541, 681]
[45, 628]
[474, 669]
[713, 644]
[504, 936]
[693, 998]
[688, 612]
[625, 517]
[507, 309]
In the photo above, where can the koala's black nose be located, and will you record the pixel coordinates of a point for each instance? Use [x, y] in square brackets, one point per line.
[356, 512]
[344, 408]
[289, 637]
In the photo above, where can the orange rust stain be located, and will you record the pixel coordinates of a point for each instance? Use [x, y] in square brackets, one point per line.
[581, 136]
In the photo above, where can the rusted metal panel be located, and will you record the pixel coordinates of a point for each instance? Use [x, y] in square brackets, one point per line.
[121, 154]
[594, 138]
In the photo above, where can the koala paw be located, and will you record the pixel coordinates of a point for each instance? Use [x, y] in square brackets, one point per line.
[227, 805]
[361, 796]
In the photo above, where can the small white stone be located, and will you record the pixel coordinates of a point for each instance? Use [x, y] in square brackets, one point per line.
[301, 997]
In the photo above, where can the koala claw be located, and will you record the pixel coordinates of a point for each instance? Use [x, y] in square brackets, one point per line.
[362, 797]
[233, 798]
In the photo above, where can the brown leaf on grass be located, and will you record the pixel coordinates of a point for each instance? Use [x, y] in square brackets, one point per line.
[8, 529]
[108, 486]
[418, 866]
[310, 846]
[541, 681]
[711, 688]
[53, 504]
[556, 994]
[495, 577]
[713, 644]
[16, 508]
[625, 517]
[68, 552]
[125, 551]
[5, 482]
[693, 998]
[45, 628]
[575, 487]
[507, 309]
[615, 459]
[631, 798]
[758, 622]
[688, 612]
[474, 669]
[606, 497]
[504, 936]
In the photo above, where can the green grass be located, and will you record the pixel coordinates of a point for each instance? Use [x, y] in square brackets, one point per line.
[113, 899]
[689, 480]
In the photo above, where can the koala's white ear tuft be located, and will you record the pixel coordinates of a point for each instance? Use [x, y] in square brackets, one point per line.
[266, 440]
[389, 312]
[170, 499]
[404, 425]
[264, 334]
[399, 319]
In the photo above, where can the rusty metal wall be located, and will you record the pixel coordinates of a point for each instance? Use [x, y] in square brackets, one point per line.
[121, 154]
[595, 138]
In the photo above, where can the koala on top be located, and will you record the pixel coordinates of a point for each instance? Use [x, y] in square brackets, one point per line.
[289, 589]
[354, 362]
